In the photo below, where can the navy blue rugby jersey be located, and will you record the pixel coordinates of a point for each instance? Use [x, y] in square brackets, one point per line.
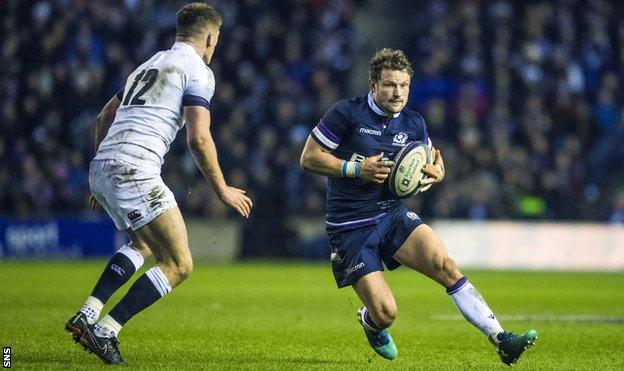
[354, 129]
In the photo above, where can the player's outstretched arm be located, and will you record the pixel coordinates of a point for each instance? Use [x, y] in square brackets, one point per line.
[319, 160]
[204, 152]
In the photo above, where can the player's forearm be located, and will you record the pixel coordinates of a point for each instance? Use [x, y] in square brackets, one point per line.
[102, 125]
[105, 120]
[326, 164]
[204, 152]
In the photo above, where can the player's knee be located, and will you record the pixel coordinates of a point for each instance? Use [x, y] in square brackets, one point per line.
[180, 270]
[385, 314]
[184, 269]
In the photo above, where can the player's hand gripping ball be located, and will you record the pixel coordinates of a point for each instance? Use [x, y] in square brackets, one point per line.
[406, 176]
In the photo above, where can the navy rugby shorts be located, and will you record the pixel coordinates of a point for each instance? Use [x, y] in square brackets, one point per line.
[356, 252]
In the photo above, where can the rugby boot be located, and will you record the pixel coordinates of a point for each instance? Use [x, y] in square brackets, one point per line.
[77, 325]
[380, 341]
[105, 347]
[510, 346]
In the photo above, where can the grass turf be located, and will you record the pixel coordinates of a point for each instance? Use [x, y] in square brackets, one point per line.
[286, 315]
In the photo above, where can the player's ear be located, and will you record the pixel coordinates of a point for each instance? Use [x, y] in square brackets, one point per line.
[213, 37]
[372, 85]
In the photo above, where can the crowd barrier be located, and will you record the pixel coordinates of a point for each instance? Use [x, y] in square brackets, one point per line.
[57, 238]
[539, 245]
[487, 245]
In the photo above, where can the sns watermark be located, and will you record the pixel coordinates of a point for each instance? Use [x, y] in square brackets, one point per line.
[6, 357]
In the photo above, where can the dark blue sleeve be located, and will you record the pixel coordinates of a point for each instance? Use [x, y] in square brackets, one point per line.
[333, 126]
[194, 100]
[425, 134]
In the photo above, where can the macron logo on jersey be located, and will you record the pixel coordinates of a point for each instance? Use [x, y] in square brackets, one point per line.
[370, 131]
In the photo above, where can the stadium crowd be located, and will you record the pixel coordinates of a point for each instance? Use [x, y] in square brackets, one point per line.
[523, 99]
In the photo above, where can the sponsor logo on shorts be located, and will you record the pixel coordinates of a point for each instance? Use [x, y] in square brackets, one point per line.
[351, 270]
[119, 270]
[412, 215]
[134, 215]
[370, 132]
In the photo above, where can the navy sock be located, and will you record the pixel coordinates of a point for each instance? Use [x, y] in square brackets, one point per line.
[117, 272]
[145, 291]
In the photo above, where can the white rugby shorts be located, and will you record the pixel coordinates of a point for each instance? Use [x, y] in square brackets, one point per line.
[132, 195]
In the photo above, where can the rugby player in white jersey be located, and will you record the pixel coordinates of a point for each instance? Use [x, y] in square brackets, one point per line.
[133, 133]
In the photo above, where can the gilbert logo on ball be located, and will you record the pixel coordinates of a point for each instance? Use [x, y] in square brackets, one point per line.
[404, 180]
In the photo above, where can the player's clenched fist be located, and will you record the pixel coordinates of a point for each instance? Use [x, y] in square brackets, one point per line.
[375, 169]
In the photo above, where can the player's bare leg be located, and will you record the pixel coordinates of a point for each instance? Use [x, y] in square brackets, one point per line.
[375, 294]
[378, 312]
[166, 237]
[424, 252]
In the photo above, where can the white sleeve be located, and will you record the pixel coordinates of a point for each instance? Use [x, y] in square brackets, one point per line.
[200, 89]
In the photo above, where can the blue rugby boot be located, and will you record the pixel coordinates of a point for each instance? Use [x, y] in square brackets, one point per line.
[380, 341]
[510, 346]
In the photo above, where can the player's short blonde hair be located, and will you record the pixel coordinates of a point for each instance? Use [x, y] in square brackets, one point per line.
[393, 59]
[194, 18]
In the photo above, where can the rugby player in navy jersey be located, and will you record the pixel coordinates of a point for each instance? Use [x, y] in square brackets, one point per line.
[353, 145]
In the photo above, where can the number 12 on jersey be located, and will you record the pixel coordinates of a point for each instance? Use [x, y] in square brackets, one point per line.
[148, 77]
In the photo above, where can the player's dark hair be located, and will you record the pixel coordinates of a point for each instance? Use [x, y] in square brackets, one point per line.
[194, 18]
[393, 59]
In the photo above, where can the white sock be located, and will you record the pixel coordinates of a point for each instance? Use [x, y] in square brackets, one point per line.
[472, 306]
[92, 308]
[135, 257]
[107, 325]
[160, 281]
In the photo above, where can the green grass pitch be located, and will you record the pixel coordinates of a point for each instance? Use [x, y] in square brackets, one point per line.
[288, 315]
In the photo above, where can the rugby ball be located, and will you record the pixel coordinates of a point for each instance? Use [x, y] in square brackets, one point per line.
[405, 177]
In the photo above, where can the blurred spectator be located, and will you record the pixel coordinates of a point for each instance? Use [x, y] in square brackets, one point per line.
[530, 96]
[523, 98]
[617, 211]
[64, 59]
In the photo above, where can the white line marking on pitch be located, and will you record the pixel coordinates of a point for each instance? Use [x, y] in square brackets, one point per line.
[591, 318]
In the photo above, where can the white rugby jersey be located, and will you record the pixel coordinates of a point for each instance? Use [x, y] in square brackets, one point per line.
[150, 114]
